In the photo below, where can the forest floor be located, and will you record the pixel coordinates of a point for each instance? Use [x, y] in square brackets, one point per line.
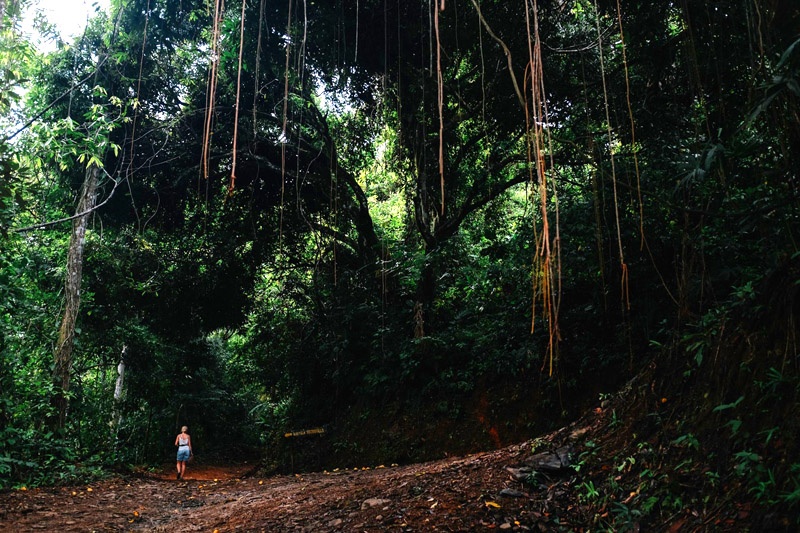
[609, 481]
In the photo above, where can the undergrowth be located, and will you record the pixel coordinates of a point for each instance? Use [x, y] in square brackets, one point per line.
[712, 444]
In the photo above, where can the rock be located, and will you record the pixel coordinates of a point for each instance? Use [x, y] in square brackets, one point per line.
[511, 493]
[557, 461]
[336, 522]
[520, 474]
[374, 502]
[505, 525]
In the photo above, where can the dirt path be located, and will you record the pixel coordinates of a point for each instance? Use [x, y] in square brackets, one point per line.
[457, 494]
[480, 492]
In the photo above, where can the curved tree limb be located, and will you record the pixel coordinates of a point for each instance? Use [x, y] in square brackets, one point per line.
[44, 225]
[505, 49]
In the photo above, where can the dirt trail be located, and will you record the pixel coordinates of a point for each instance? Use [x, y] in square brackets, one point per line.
[474, 493]
[448, 495]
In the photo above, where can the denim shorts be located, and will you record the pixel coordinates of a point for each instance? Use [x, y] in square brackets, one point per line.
[183, 453]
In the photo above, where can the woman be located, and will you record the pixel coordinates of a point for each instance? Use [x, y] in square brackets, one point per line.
[184, 443]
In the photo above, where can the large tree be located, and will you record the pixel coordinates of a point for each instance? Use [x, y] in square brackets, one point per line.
[355, 191]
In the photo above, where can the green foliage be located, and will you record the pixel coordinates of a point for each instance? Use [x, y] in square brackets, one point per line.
[589, 491]
[69, 143]
[333, 278]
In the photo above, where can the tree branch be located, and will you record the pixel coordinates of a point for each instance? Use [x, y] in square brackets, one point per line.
[54, 102]
[505, 49]
[73, 217]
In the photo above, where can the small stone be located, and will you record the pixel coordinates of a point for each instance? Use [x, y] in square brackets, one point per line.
[336, 522]
[505, 525]
[373, 502]
[557, 461]
[511, 493]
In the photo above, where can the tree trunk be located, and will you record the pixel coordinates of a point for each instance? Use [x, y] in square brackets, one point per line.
[119, 388]
[72, 292]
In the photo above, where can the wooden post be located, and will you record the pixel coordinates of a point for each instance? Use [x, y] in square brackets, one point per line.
[291, 435]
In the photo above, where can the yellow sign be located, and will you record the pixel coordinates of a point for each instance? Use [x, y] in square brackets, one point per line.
[313, 431]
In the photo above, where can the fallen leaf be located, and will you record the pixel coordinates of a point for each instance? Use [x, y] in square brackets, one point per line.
[494, 505]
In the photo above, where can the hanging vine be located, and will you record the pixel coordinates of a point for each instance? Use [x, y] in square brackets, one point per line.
[546, 262]
[129, 170]
[440, 98]
[256, 88]
[300, 68]
[634, 148]
[212, 85]
[284, 139]
[610, 133]
[236, 107]
[506, 51]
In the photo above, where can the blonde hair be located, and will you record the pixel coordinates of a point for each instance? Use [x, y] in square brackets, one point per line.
[184, 429]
